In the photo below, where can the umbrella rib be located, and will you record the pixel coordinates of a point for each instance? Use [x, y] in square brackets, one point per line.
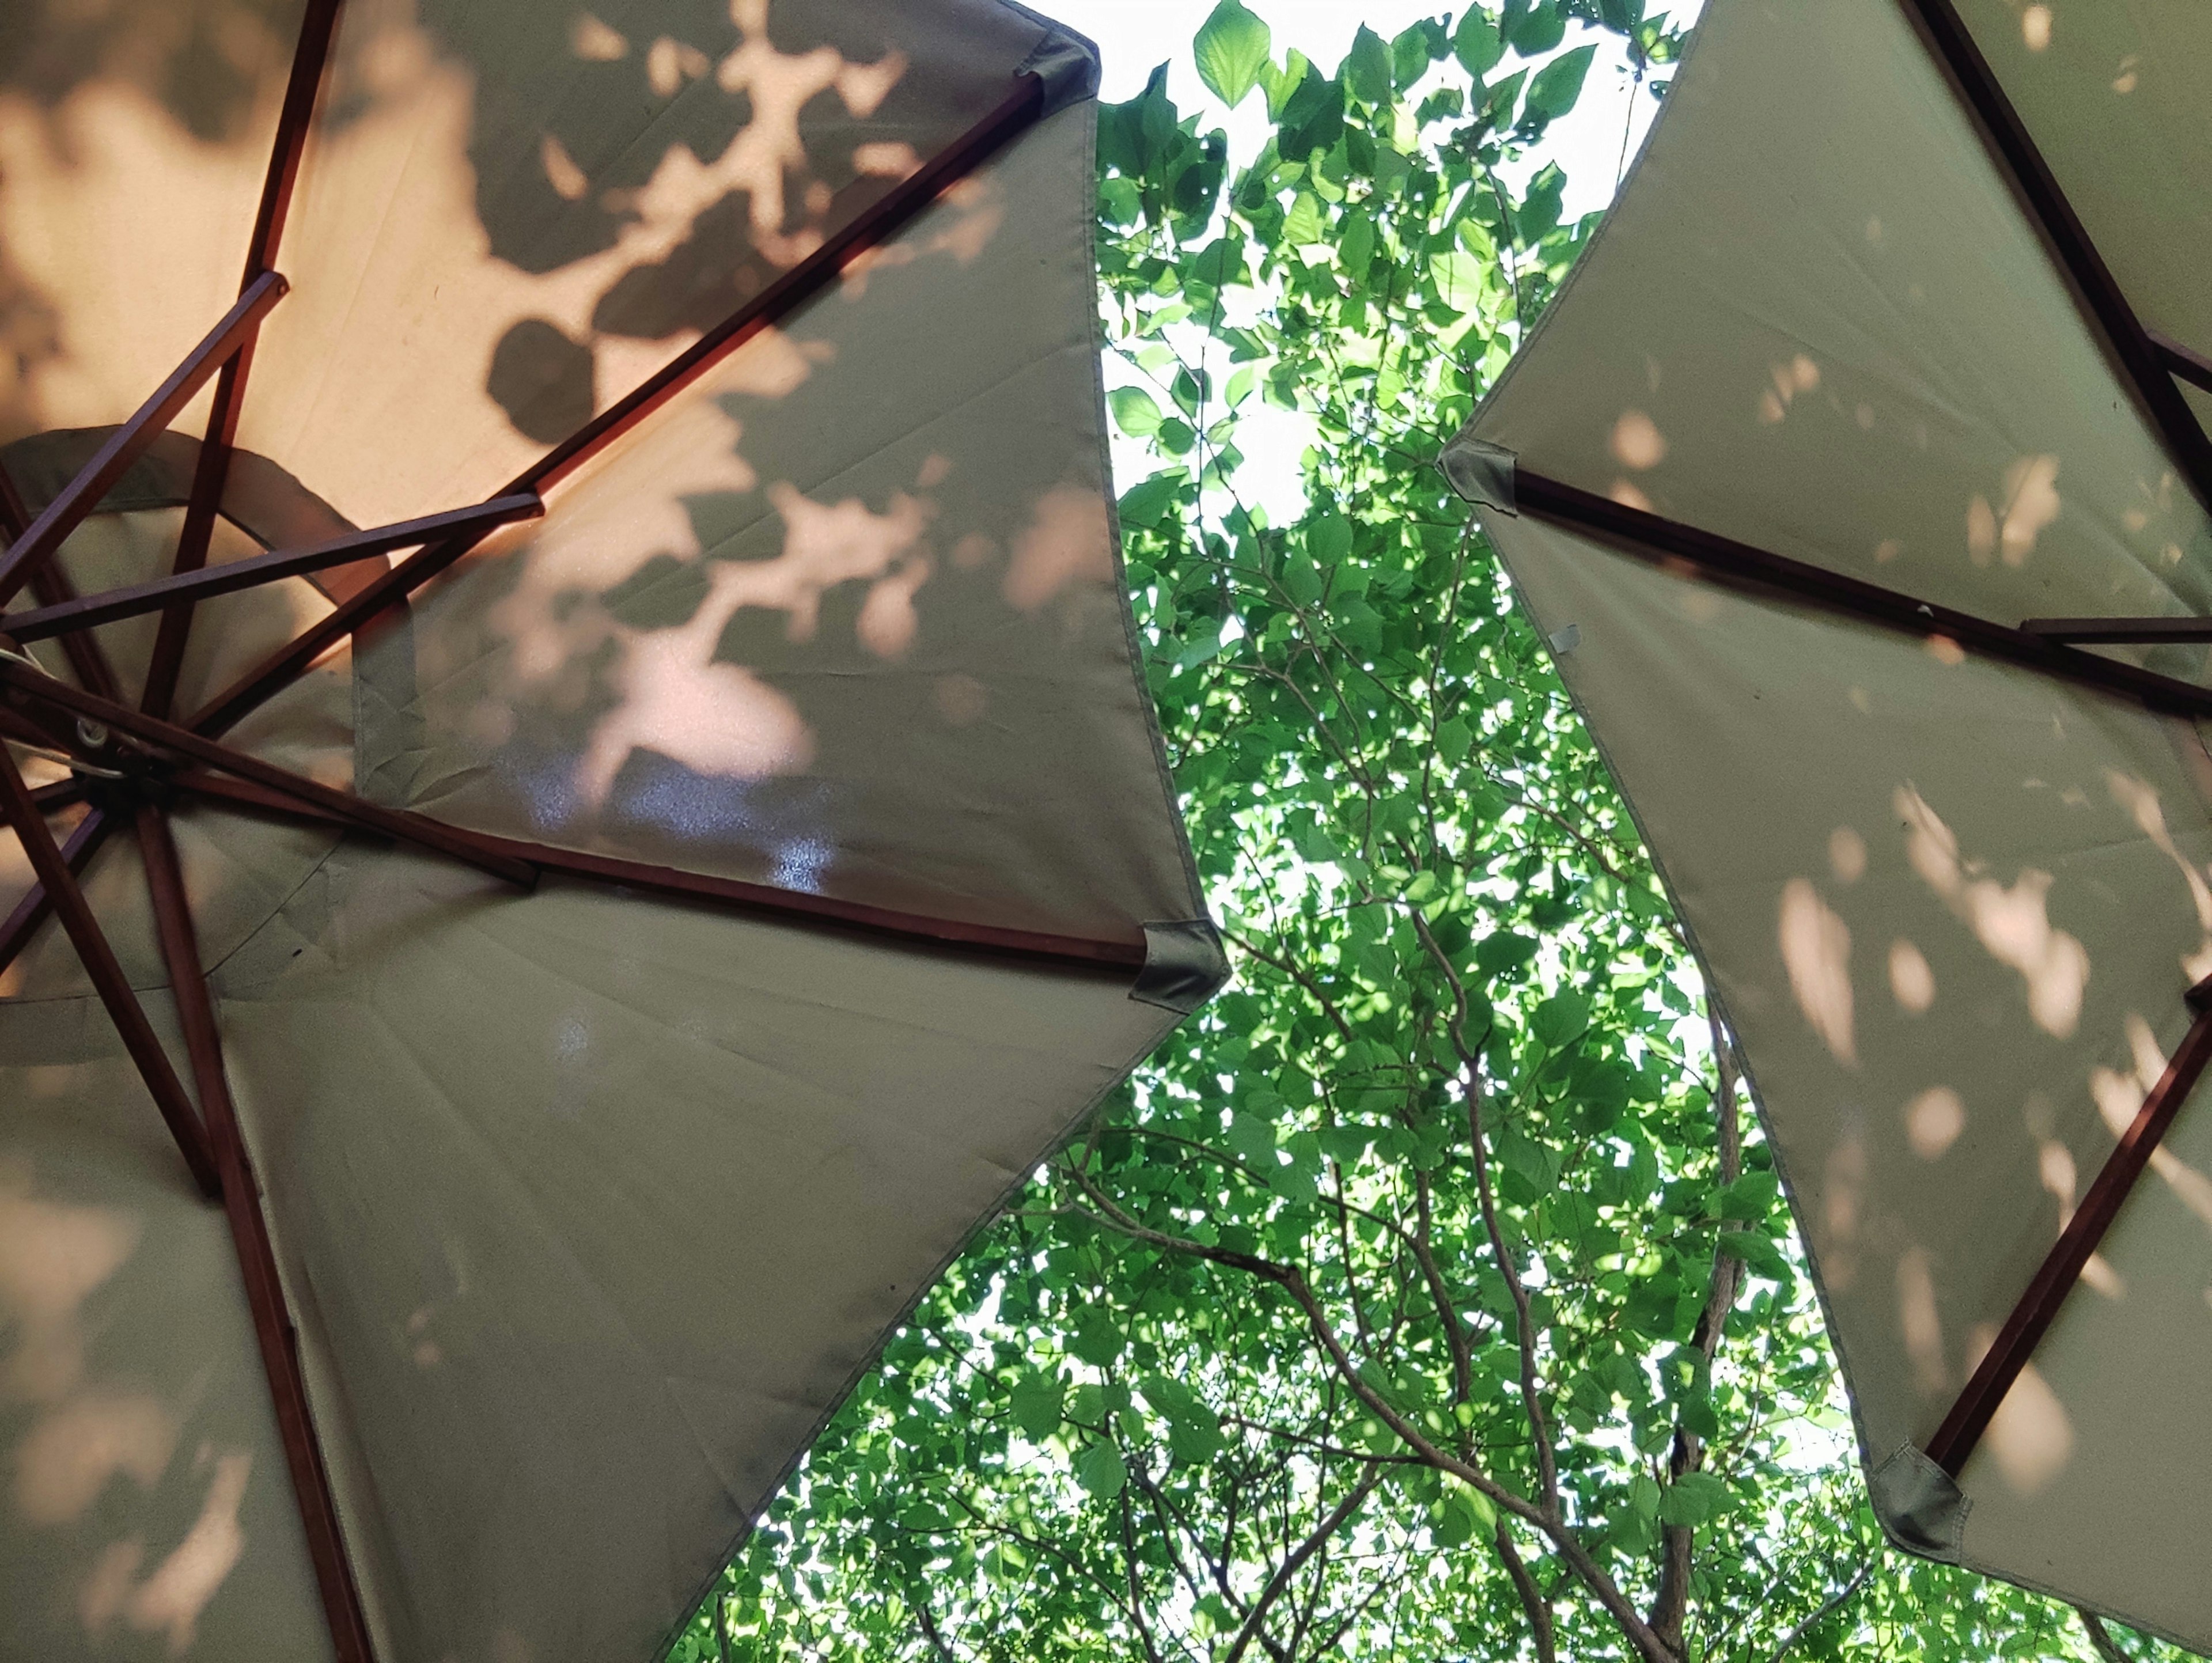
[22, 925]
[1670, 545]
[2180, 361]
[77, 614]
[128, 442]
[309, 56]
[2140, 360]
[60, 884]
[273, 1326]
[52, 586]
[2023, 1331]
[414, 829]
[2141, 631]
[883, 219]
[1077, 951]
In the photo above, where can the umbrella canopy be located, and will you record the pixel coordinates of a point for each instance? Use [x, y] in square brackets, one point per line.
[593, 969]
[1856, 479]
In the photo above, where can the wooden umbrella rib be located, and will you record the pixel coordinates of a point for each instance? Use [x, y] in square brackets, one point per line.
[1672, 545]
[2120, 631]
[883, 219]
[51, 585]
[79, 614]
[2183, 362]
[310, 55]
[2149, 373]
[21, 925]
[128, 442]
[144, 1047]
[760, 900]
[2030, 1318]
[414, 829]
[273, 1328]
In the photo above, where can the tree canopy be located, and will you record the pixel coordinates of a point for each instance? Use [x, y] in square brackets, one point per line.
[1430, 1294]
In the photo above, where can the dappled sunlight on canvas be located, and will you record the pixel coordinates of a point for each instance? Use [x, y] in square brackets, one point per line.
[1816, 949]
[2013, 924]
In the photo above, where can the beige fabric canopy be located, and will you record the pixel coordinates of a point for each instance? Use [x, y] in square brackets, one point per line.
[594, 969]
[1855, 480]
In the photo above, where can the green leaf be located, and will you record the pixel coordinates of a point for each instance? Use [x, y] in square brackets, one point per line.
[1561, 1018]
[1693, 1499]
[1304, 225]
[1367, 68]
[1543, 27]
[1098, 1337]
[1751, 1198]
[1498, 953]
[1135, 411]
[1037, 1402]
[1101, 1469]
[1559, 84]
[1329, 539]
[1280, 83]
[1147, 504]
[1232, 48]
[1757, 1253]
[1476, 43]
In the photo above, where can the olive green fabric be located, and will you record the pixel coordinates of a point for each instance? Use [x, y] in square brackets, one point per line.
[588, 1207]
[1950, 908]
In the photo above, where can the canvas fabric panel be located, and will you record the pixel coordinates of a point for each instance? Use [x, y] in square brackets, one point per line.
[146, 1515]
[511, 213]
[134, 138]
[1817, 322]
[592, 1209]
[1946, 906]
[844, 616]
[2113, 94]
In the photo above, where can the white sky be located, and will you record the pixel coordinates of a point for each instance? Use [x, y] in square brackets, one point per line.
[1134, 36]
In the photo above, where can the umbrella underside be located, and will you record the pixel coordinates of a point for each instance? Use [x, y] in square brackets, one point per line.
[1857, 478]
[600, 1019]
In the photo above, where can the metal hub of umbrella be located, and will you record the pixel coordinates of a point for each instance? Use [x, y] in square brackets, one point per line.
[581, 747]
[1858, 479]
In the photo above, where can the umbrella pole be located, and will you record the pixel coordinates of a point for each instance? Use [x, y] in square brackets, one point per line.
[241, 1201]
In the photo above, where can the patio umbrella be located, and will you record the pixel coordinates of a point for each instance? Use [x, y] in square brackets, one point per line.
[594, 969]
[1857, 479]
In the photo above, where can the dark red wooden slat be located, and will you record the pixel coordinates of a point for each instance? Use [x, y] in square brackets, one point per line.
[85, 934]
[2030, 1319]
[2120, 630]
[21, 925]
[2193, 368]
[786, 295]
[2006, 136]
[404, 828]
[65, 619]
[128, 442]
[1671, 544]
[249, 1228]
[310, 54]
[1074, 951]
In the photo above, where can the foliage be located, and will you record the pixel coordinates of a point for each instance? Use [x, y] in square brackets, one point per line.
[1429, 1296]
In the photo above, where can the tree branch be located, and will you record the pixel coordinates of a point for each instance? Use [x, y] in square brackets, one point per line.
[1289, 1568]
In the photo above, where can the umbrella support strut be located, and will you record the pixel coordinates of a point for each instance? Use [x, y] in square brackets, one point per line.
[2146, 367]
[241, 1203]
[2031, 1317]
[139, 1040]
[1687, 550]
